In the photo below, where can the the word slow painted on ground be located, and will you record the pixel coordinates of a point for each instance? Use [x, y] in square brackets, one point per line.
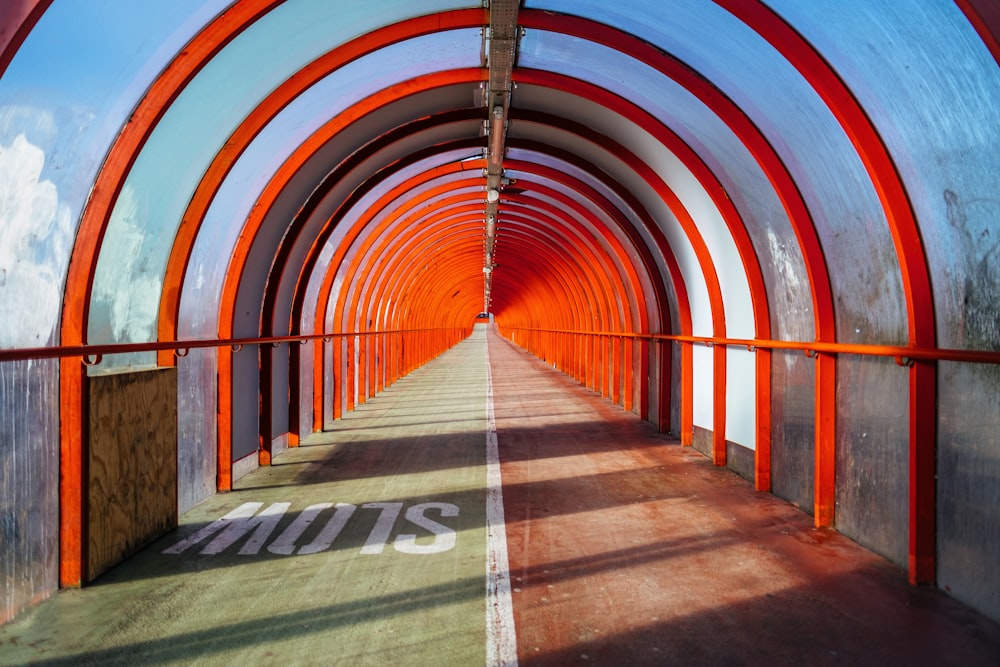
[241, 521]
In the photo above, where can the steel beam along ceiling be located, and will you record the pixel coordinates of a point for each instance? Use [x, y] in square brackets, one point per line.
[584, 171]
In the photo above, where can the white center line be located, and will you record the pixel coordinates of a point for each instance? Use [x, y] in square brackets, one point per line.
[501, 645]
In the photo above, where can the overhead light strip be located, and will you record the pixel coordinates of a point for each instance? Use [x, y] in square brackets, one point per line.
[502, 50]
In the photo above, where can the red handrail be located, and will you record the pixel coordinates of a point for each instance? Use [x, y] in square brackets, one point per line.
[902, 353]
[182, 347]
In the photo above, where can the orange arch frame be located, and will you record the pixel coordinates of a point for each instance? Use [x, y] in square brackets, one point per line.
[864, 136]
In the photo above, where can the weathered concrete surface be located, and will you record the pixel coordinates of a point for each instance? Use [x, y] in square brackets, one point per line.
[627, 549]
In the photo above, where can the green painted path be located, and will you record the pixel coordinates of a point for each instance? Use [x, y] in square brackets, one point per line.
[367, 546]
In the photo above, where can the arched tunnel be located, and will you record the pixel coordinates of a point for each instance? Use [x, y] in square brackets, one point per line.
[768, 228]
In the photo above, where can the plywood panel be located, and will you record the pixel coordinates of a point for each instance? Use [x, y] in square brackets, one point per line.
[132, 463]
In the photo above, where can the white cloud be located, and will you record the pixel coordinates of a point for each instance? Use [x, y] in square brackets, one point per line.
[35, 232]
[131, 295]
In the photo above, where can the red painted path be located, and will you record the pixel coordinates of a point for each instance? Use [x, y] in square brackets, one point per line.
[628, 549]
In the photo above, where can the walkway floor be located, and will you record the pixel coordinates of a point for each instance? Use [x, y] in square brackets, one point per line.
[368, 545]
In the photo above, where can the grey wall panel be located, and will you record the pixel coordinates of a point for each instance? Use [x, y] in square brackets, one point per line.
[279, 390]
[701, 441]
[675, 389]
[872, 464]
[246, 402]
[968, 492]
[197, 398]
[305, 406]
[329, 382]
[29, 483]
[793, 435]
[740, 460]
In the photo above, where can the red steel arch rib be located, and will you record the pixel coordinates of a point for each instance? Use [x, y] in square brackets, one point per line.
[673, 274]
[567, 237]
[350, 308]
[689, 226]
[538, 266]
[301, 285]
[348, 282]
[267, 198]
[83, 262]
[788, 194]
[462, 235]
[16, 23]
[915, 273]
[277, 100]
[370, 259]
[357, 226]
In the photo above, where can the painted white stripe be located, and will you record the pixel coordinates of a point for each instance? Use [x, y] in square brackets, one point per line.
[501, 643]
[382, 529]
[285, 544]
[444, 537]
[331, 530]
[241, 513]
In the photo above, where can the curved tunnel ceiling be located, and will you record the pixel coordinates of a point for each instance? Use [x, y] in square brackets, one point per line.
[720, 147]
[744, 172]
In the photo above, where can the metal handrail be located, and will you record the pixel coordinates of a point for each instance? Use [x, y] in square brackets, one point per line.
[93, 354]
[903, 354]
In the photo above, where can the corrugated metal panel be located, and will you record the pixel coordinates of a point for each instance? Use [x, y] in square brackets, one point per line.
[29, 483]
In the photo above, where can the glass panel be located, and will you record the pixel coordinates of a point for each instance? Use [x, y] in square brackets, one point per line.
[194, 128]
[63, 99]
[931, 87]
[870, 299]
[229, 210]
[741, 402]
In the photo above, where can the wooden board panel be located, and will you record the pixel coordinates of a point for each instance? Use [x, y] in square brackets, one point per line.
[132, 496]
